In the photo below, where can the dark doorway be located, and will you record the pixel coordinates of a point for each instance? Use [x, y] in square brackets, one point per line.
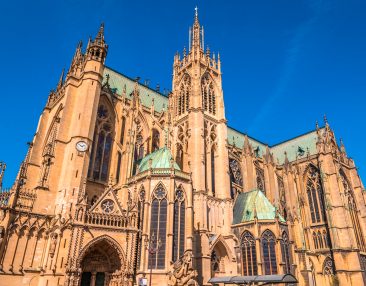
[99, 280]
[85, 279]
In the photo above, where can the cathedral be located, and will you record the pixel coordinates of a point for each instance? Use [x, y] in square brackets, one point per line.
[125, 185]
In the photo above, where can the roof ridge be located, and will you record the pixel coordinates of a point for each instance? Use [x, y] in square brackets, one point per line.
[141, 84]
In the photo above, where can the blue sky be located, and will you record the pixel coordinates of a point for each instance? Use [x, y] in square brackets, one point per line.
[285, 63]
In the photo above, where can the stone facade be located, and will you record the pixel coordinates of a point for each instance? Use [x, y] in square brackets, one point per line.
[122, 183]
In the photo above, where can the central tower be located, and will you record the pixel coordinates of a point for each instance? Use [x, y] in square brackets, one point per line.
[199, 135]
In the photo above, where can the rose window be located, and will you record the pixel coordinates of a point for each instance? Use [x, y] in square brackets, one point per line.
[108, 206]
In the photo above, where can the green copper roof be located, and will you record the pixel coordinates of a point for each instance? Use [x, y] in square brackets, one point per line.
[121, 83]
[236, 138]
[252, 203]
[160, 159]
[306, 142]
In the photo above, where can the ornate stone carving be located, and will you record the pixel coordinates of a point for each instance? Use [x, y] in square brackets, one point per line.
[183, 272]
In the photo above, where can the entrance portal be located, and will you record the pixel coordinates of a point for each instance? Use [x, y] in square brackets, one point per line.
[101, 265]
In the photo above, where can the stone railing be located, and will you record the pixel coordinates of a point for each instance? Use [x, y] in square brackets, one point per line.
[159, 172]
[106, 220]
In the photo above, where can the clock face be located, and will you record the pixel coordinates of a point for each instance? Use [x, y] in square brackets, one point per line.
[82, 146]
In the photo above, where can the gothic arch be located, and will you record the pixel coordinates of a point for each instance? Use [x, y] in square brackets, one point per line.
[111, 241]
[51, 126]
[220, 256]
[221, 241]
[158, 185]
[108, 100]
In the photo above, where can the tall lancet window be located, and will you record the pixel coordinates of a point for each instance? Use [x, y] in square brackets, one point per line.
[102, 145]
[261, 185]
[285, 248]
[184, 95]
[236, 179]
[269, 253]
[208, 94]
[315, 195]
[352, 208]
[249, 255]
[213, 171]
[281, 192]
[158, 222]
[139, 146]
[179, 224]
[155, 140]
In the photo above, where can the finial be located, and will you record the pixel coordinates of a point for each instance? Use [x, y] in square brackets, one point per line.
[184, 52]
[196, 13]
[343, 149]
[61, 80]
[325, 120]
[317, 125]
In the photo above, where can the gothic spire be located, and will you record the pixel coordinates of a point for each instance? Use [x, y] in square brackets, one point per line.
[197, 33]
[61, 80]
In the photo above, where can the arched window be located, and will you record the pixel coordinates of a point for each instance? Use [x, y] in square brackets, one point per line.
[158, 224]
[249, 255]
[123, 126]
[139, 146]
[179, 156]
[328, 267]
[179, 224]
[281, 192]
[236, 179]
[320, 239]
[118, 169]
[102, 145]
[184, 94]
[315, 240]
[269, 253]
[352, 208]
[315, 195]
[285, 248]
[155, 140]
[261, 185]
[208, 94]
[215, 262]
[213, 171]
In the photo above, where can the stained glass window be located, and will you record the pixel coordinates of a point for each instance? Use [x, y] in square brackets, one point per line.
[102, 145]
[236, 179]
[249, 255]
[123, 126]
[155, 140]
[118, 170]
[352, 208]
[208, 94]
[261, 185]
[269, 253]
[158, 226]
[183, 95]
[285, 248]
[178, 224]
[315, 195]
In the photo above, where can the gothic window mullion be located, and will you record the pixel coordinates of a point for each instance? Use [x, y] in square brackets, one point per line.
[102, 157]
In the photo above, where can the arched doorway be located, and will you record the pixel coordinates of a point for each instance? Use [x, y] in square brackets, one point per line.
[220, 262]
[101, 264]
